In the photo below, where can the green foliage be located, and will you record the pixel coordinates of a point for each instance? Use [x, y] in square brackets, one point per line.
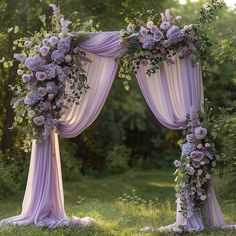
[117, 159]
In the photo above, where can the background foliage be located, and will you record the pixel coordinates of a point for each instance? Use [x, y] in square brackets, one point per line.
[125, 135]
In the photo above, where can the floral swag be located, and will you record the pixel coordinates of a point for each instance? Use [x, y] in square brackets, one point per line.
[51, 60]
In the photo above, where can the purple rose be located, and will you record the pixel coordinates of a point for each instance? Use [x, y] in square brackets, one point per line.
[26, 78]
[28, 101]
[177, 163]
[27, 43]
[158, 35]
[46, 42]
[44, 50]
[53, 40]
[41, 76]
[190, 138]
[39, 120]
[143, 31]
[154, 29]
[45, 106]
[197, 156]
[34, 63]
[42, 92]
[51, 87]
[200, 132]
[190, 170]
[165, 25]
[148, 42]
[130, 28]
[58, 56]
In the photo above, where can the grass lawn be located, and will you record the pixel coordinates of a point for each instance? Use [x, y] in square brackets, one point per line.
[149, 200]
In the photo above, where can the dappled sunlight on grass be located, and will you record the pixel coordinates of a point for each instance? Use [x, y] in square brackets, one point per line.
[137, 199]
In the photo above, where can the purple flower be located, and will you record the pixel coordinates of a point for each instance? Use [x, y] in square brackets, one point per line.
[177, 163]
[53, 40]
[20, 72]
[165, 25]
[158, 35]
[190, 138]
[166, 16]
[64, 44]
[41, 76]
[148, 42]
[26, 78]
[39, 120]
[34, 63]
[197, 157]
[187, 148]
[178, 18]
[46, 42]
[42, 91]
[166, 43]
[174, 34]
[44, 50]
[19, 57]
[190, 170]
[143, 31]
[27, 43]
[130, 28]
[50, 69]
[45, 106]
[57, 56]
[200, 132]
[36, 48]
[28, 101]
[51, 87]
[154, 29]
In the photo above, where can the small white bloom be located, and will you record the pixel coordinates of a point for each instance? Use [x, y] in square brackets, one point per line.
[62, 35]
[203, 197]
[50, 96]
[203, 163]
[187, 165]
[68, 58]
[150, 24]
[207, 145]
[199, 172]
[20, 72]
[2, 60]
[208, 176]
[31, 113]
[213, 164]
[199, 146]
[36, 48]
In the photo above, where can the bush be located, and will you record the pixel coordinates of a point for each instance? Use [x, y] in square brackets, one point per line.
[117, 159]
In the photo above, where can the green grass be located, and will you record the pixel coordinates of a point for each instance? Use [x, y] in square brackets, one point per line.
[152, 203]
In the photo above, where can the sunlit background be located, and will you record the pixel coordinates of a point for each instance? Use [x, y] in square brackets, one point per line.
[229, 3]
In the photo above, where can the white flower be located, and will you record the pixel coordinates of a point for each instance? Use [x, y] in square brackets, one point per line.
[203, 197]
[199, 172]
[20, 72]
[44, 50]
[27, 43]
[31, 113]
[208, 176]
[150, 24]
[50, 96]
[68, 58]
[188, 27]
[178, 18]
[213, 164]
[36, 48]
[203, 163]
[46, 42]
[199, 146]
[207, 145]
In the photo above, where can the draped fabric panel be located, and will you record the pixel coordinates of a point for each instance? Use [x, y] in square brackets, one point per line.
[171, 93]
[43, 202]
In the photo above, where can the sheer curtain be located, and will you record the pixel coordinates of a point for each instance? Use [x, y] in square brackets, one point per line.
[171, 93]
[43, 202]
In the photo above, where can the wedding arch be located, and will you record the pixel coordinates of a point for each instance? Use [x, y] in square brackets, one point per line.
[66, 78]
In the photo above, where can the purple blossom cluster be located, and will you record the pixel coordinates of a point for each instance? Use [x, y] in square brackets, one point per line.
[195, 167]
[44, 72]
[167, 36]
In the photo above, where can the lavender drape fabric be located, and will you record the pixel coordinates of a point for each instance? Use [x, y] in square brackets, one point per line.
[171, 93]
[43, 202]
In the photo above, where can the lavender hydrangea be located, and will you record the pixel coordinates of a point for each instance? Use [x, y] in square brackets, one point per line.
[174, 34]
[64, 44]
[42, 91]
[148, 42]
[51, 87]
[39, 120]
[58, 57]
[34, 63]
[51, 70]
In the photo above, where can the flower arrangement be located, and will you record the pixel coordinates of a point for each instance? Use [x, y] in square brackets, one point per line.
[195, 167]
[49, 60]
[164, 36]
